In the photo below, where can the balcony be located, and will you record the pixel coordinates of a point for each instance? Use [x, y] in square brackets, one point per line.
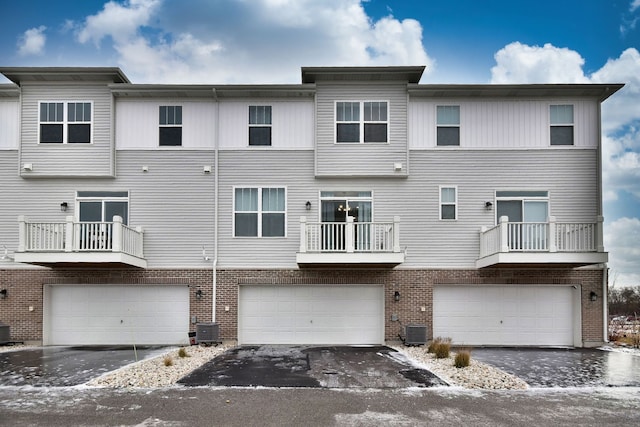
[350, 244]
[554, 244]
[69, 243]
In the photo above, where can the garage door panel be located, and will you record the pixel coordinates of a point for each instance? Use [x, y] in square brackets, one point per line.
[116, 314]
[322, 315]
[504, 315]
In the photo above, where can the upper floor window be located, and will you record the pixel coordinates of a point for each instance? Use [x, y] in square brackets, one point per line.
[448, 203]
[259, 212]
[362, 121]
[65, 122]
[260, 125]
[102, 206]
[448, 125]
[561, 121]
[170, 125]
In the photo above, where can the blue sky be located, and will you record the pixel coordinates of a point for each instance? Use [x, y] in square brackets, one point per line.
[460, 41]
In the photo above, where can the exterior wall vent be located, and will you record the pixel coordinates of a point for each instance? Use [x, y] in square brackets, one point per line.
[208, 333]
[415, 335]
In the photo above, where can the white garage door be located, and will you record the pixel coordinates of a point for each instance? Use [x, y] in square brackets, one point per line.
[504, 315]
[311, 315]
[115, 314]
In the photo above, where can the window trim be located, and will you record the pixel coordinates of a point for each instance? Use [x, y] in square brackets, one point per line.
[260, 125]
[171, 125]
[571, 125]
[259, 212]
[458, 126]
[103, 197]
[361, 121]
[65, 122]
[441, 204]
[524, 196]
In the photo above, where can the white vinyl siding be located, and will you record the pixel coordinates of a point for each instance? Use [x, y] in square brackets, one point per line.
[503, 124]
[138, 125]
[59, 160]
[373, 159]
[291, 125]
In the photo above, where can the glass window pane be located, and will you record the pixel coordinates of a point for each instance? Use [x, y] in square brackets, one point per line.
[59, 111]
[272, 224]
[448, 211]
[90, 211]
[448, 115]
[348, 111]
[259, 135]
[79, 133]
[177, 117]
[87, 112]
[71, 112]
[448, 136]
[448, 195]
[535, 212]
[43, 111]
[561, 135]
[246, 199]
[112, 209]
[511, 209]
[246, 224]
[561, 114]
[104, 194]
[163, 115]
[375, 132]
[348, 132]
[260, 115]
[51, 134]
[522, 194]
[273, 199]
[170, 136]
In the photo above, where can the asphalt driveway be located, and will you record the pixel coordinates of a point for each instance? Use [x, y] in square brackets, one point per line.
[65, 366]
[579, 367]
[328, 367]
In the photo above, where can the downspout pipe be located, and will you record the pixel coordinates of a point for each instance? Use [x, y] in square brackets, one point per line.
[214, 288]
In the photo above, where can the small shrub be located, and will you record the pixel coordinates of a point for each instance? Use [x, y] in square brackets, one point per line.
[182, 352]
[442, 349]
[435, 343]
[462, 359]
[168, 361]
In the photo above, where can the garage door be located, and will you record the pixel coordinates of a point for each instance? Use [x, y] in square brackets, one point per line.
[311, 315]
[504, 315]
[106, 315]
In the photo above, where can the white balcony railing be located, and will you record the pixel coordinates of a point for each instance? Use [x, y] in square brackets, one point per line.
[548, 236]
[350, 236]
[70, 236]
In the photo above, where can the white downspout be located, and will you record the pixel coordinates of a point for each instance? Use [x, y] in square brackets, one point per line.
[215, 208]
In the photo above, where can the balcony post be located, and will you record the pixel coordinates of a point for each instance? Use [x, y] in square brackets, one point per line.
[116, 245]
[22, 233]
[349, 234]
[68, 233]
[483, 249]
[303, 234]
[553, 235]
[396, 234]
[140, 245]
[599, 234]
[504, 233]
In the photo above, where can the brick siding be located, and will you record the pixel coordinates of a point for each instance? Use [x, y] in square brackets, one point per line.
[25, 291]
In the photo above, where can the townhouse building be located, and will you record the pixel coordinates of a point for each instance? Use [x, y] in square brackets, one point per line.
[334, 211]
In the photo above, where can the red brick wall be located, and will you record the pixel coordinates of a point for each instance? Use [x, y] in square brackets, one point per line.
[25, 289]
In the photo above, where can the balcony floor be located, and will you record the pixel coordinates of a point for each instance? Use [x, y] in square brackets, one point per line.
[542, 259]
[80, 259]
[349, 260]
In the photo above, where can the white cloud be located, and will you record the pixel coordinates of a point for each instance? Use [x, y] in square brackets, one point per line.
[32, 41]
[520, 63]
[634, 5]
[165, 42]
[621, 240]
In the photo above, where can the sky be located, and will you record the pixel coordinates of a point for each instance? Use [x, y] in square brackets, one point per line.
[459, 41]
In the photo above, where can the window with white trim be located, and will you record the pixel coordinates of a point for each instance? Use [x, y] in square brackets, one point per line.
[362, 121]
[448, 202]
[561, 124]
[170, 120]
[448, 125]
[65, 122]
[259, 125]
[259, 212]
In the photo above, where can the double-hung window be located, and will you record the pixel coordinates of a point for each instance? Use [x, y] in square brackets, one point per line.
[65, 122]
[448, 125]
[260, 125]
[259, 212]
[448, 202]
[170, 125]
[362, 121]
[561, 123]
